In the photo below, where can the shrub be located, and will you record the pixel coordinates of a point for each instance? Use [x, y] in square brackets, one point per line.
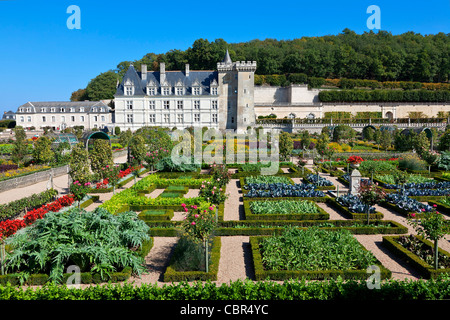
[283, 207]
[95, 241]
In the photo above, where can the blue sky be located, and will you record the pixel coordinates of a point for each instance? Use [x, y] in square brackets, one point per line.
[42, 60]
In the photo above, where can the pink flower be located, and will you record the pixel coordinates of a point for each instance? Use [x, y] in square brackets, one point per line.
[413, 215]
[195, 207]
[434, 205]
[196, 215]
[186, 210]
[183, 205]
[193, 223]
[211, 208]
[212, 192]
[423, 210]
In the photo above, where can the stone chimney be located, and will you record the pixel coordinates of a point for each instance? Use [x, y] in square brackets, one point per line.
[187, 70]
[162, 72]
[144, 72]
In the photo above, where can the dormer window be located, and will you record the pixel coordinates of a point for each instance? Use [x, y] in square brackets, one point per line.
[166, 91]
[42, 109]
[214, 91]
[128, 91]
[61, 109]
[151, 91]
[196, 91]
[52, 109]
[128, 88]
[72, 110]
[180, 91]
[82, 109]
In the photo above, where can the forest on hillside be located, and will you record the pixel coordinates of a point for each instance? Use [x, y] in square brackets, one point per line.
[379, 56]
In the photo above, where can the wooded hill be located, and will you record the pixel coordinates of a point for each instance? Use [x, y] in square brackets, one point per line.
[381, 56]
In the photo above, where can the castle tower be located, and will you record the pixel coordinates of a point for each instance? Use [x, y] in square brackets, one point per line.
[236, 94]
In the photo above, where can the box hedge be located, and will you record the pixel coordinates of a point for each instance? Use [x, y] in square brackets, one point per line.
[171, 275]
[412, 259]
[262, 274]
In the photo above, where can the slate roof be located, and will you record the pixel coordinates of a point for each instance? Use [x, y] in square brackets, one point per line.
[87, 105]
[203, 78]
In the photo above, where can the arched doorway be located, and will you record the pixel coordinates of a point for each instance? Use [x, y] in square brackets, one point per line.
[390, 116]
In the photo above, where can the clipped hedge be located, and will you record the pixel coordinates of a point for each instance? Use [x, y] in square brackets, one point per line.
[148, 215]
[331, 290]
[171, 275]
[355, 95]
[415, 261]
[16, 207]
[262, 274]
[440, 207]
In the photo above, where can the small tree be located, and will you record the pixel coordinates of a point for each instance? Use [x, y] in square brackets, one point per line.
[100, 156]
[322, 144]
[199, 224]
[20, 148]
[79, 164]
[79, 190]
[42, 151]
[370, 194]
[286, 145]
[432, 226]
[138, 150]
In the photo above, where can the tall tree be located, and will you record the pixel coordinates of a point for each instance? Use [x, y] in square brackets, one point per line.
[103, 86]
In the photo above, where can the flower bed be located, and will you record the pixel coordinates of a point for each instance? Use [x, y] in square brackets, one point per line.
[279, 190]
[250, 214]
[404, 204]
[312, 254]
[172, 274]
[343, 208]
[22, 171]
[320, 182]
[9, 227]
[36, 200]
[415, 250]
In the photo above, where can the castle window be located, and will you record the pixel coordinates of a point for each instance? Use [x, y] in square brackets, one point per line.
[22, 119]
[151, 104]
[61, 109]
[196, 91]
[197, 117]
[129, 118]
[166, 91]
[180, 105]
[166, 118]
[166, 104]
[214, 104]
[232, 119]
[129, 104]
[214, 117]
[214, 91]
[72, 118]
[151, 91]
[82, 109]
[43, 119]
[180, 91]
[152, 118]
[42, 109]
[180, 118]
[128, 91]
[82, 118]
[197, 104]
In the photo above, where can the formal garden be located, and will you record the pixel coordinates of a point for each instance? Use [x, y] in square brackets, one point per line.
[158, 228]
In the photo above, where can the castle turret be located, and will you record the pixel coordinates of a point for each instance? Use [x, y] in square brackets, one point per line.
[236, 91]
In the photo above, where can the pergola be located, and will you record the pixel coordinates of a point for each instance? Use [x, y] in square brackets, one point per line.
[89, 136]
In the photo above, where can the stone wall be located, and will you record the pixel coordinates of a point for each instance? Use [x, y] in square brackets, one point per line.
[32, 178]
